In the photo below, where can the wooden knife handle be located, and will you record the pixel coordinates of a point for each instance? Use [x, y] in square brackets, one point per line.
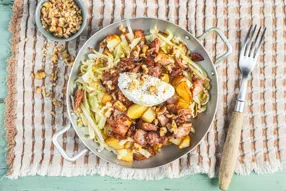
[230, 150]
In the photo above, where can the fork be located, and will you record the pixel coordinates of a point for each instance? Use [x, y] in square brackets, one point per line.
[247, 61]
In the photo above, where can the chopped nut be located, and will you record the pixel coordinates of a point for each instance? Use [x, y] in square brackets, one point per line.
[69, 61]
[59, 32]
[170, 115]
[48, 94]
[61, 22]
[52, 29]
[62, 18]
[44, 91]
[132, 86]
[38, 89]
[113, 95]
[136, 51]
[56, 103]
[55, 59]
[52, 113]
[66, 54]
[54, 75]
[161, 110]
[47, 5]
[153, 90]
[145, 69]
[119, 105]
[108, 108]
[157, 58]
[109, 85]
[64, 90]
[40, 74]
[168, 68]
[163, 131]
[145, 48]
[142, 55]
[44, 51]
[155, 121]
[122, 29]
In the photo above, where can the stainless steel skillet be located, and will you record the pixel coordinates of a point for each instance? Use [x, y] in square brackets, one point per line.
[201, 123]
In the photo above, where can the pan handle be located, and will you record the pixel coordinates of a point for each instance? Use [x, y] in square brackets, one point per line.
[60, 148]
[223, 38]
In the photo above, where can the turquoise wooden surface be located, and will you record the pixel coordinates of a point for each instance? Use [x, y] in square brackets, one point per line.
[273, 182]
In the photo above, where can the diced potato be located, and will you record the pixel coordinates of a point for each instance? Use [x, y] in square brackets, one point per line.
[125, 155]
[119, 105]
[175, 141]
[184, 91]
[128, 145]
[149, 115]
[182, 103]
[112, 41]
[137, 147]
[135, 111]
[106, 98]
[157, 147]
[114, 143]
[165, 77]
[186, 142]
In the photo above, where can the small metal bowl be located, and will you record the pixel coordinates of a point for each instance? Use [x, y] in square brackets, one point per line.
[49, 35]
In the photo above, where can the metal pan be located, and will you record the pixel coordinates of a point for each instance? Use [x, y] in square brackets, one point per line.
[201, 123]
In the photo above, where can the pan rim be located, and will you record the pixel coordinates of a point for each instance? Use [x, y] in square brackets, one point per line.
[76, 60]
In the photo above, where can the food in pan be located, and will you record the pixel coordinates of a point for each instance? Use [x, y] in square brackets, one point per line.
[138, 92]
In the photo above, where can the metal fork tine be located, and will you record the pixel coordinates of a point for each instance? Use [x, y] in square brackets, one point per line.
[260, 43]
[245, 40]
[254, 43]
[246, 37]
[249, 41]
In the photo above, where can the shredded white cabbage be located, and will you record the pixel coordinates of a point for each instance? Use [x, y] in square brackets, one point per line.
[134, 43]
[122, 142]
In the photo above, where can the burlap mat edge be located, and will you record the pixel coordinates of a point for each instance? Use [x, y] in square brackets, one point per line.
[10, 110]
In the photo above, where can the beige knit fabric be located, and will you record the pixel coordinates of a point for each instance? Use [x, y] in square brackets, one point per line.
[30, 125]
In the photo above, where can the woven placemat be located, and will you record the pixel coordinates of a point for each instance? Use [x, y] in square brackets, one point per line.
[32, 119]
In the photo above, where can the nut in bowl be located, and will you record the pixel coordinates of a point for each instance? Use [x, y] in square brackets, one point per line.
[61, 20]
